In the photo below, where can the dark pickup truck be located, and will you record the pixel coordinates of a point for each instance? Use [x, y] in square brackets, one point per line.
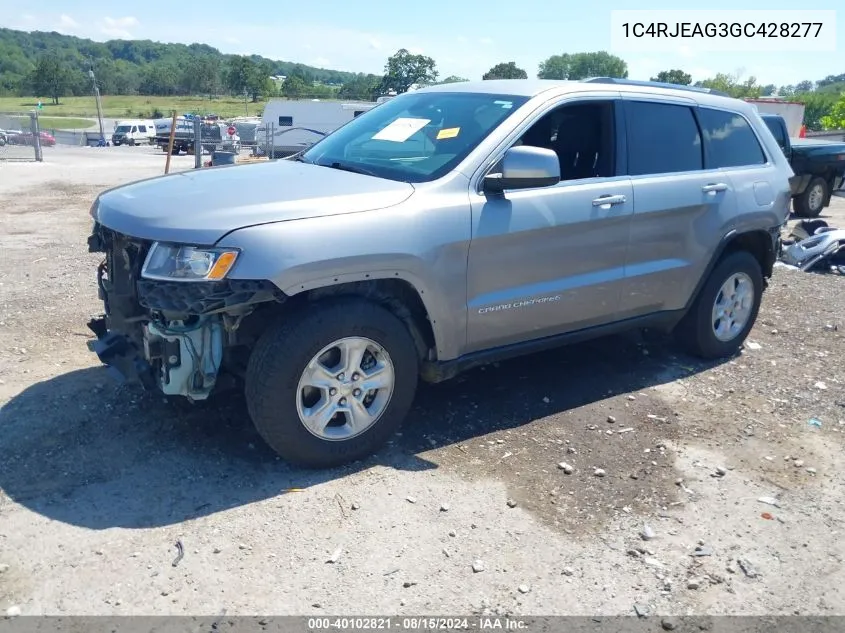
[819, 168]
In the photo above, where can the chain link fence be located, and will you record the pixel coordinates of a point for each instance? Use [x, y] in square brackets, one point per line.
[22, 139]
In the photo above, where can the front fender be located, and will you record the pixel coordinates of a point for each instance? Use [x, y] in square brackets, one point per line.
[428, 250]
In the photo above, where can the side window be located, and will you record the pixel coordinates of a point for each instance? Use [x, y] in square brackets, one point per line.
[663, 138]
[285, 121]
[142, 129]
[583, 137]
[730, 140]
[134, 128]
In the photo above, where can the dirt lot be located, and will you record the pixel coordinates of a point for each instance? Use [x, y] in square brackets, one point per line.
[99, 482]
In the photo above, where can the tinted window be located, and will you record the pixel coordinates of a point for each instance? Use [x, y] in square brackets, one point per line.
[777, 131]
[662, 138]
[730, 140]
[142, 128]
[285, 121]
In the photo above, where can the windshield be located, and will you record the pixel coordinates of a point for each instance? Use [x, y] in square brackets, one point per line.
[415, 137]
[122, 129]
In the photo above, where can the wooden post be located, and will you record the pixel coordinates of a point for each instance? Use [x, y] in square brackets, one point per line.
[170, 143]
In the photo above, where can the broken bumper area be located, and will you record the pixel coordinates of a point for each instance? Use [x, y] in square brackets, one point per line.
[121, 358]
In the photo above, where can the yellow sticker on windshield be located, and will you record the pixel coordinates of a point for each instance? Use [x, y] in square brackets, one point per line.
[449, 132]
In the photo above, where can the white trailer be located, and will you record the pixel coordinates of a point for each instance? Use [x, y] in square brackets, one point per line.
[791, 111]
[297, 124]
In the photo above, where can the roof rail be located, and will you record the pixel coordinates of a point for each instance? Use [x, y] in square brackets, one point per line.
[652, 84]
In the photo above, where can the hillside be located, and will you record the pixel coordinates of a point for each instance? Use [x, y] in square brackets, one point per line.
[125, 67]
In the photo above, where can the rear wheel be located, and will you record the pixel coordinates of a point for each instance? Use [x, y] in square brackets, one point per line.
[330, 385]
[811, 203]
[725, 310]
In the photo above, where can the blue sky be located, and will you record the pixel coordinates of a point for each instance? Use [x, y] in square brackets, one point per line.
[464, 37]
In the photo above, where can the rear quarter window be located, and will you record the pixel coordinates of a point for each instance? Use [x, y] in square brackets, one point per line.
[729, 139]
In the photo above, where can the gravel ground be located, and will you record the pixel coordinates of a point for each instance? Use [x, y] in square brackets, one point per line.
[99, 482]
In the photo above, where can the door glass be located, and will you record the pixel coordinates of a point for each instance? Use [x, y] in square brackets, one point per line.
[663, 138]
[730, 140]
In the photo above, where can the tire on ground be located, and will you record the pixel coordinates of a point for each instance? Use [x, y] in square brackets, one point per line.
[695, 331]
[280, 357]
[801, 204]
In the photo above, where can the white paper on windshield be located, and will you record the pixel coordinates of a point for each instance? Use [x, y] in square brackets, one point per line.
[401, 129]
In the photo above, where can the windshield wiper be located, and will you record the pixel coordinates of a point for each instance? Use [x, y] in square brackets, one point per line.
[353, 168]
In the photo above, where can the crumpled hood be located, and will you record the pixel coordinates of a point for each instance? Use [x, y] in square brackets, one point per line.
[201, 206]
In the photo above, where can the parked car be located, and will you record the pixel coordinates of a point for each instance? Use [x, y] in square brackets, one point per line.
[134, 132]
[3, 138]
[819, 168]
[28, 138]
[446, 228]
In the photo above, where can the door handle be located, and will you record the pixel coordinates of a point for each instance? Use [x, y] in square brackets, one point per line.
[606, 201]
[714, 187]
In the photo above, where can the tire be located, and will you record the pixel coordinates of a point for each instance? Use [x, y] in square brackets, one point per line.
[696, 331]
[811, 203]
[280, 359]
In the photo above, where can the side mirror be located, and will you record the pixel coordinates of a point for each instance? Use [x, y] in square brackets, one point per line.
[525, 167]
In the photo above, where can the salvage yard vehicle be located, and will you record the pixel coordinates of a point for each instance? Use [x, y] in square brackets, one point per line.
[819, 168]
[447, 228]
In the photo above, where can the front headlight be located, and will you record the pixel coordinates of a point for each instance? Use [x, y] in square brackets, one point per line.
[179, 262]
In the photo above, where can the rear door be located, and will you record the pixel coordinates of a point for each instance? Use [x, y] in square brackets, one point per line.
[680, 204]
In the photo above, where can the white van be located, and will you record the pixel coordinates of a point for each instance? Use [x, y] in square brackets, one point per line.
[134, 132]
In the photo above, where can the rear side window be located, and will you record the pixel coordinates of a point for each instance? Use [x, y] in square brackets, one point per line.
[142, 128]
[730, 140]
[777, 131]
[662, 138]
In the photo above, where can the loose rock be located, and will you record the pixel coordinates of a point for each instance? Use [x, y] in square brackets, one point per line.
[13, 611]
[647, 533]
[721, 471]
[599, 472]
[410, 499]
[641, 610]
[478, 566]
[4, 568]
[355, 506]
[611, 419]
[747, 569]
[511, 503]
[568, 571]
[444, 507]
[703, 550]
[524, 588]
[668, 624]
[693, 583]
[567, 468]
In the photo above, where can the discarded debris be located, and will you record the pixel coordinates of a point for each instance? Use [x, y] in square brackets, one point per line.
[815, 422]
[703, 550]
[335, 557]
[746, 568]
[627, 429]
[820, 385]
[752, 345]
[769, 501]
[13, 611]
[641, 610]
[568, 571]
[767, 516]
[180, 553]
[408, 584]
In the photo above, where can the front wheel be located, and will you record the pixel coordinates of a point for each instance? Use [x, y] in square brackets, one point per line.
[331, 384]
[725, 310]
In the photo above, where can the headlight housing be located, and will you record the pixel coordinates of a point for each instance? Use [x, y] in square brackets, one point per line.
[182, 262]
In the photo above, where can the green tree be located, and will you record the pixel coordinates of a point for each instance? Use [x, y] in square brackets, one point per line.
[582, 66]
[803, 87]
[674, 76]
[505, 70]
[361, 87]
[817, 106]
[835, 119]
[748, 89]
[50, 77]
[768, 90]
[295, 86]
[452, 79]
[404, 69]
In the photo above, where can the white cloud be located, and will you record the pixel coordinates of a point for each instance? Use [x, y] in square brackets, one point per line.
[686, 52]
[486, 41]
[119, 27]
[375, 44]
[66, 24]
[321, 62]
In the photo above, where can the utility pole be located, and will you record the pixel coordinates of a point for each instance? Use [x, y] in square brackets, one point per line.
[99, 106]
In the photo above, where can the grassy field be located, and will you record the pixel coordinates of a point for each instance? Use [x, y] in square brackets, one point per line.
[133, 106]
[59, 123]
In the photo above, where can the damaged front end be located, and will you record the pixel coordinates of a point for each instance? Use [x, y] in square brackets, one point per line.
[171, 335]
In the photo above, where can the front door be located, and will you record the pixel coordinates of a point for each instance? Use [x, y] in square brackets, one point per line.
[549, 260]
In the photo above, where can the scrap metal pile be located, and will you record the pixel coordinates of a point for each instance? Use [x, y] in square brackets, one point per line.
[814, 246]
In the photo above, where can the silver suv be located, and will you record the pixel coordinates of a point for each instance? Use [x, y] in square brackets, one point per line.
[443, 229]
